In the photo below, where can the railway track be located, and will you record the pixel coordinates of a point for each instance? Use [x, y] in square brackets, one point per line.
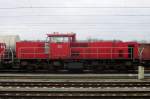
[69, 76]
[72, 87]
[74, 84]
[75, 92]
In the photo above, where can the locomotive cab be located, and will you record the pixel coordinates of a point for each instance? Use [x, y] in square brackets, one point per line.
[60, 45]
[57, 37]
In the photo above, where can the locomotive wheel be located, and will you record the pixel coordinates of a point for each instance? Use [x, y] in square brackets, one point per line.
[30, 68]
[98, 69]
[50, 68]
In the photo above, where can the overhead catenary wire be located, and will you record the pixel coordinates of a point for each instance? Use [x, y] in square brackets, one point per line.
[87, 24]
[41, 7]
[69, 15]
[32, 7]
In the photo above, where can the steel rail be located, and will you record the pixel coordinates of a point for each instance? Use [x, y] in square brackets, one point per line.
[85, 84]
[82, 92]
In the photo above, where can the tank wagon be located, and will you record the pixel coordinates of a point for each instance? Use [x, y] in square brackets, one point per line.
[62, 51]
[10, 41]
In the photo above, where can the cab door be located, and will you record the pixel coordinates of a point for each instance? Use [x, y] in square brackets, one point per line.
[59, 50]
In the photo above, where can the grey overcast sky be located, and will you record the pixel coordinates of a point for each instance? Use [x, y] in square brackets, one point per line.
[102, 19]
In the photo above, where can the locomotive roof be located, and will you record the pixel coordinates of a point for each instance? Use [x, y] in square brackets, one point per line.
[55, 34]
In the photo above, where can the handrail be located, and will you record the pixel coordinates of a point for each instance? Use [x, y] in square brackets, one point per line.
[140, 53]
[33, 49]
[101, 47]
[98, 49]
[6, 54]
[112, 49]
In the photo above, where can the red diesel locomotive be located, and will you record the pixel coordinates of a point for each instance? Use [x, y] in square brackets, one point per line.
[63, 51]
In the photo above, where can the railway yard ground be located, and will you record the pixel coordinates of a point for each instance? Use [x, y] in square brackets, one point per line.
[73, 86]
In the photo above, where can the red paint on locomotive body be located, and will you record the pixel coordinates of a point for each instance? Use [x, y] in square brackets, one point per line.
[31, 50]
[60, 50]
[104, 50]
[69, 48]
[145, 51]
